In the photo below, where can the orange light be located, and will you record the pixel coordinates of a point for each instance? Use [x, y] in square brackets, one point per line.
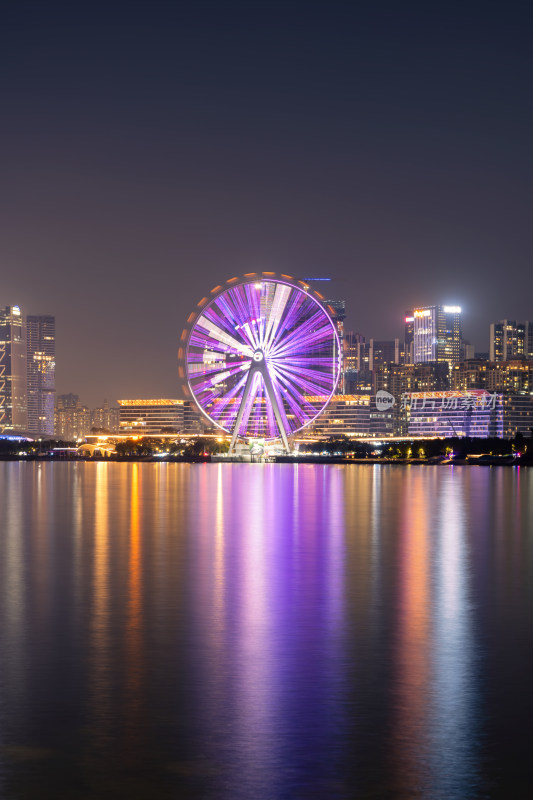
[181, 372]
[183, 334]
[158, 402]
[180, 352]
[320, 296]
[216, 289]
[289, 277]
[250, 274]
[203, 301]
[232, 280]
[191, 317]
[268, 273]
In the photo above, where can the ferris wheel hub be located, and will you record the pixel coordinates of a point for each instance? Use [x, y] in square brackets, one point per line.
[258, 355]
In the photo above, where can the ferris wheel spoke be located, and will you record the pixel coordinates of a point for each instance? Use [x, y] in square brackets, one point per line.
[244, 409]
[309, 378]
[220, 404]
[219, 335]
[300, 386]
[281, 297]
[307, 336]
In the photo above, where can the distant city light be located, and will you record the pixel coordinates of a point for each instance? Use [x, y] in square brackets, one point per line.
[452, 309]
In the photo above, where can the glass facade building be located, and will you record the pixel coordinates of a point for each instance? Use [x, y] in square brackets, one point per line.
[13, 407]
[40, 361]
[433, 333]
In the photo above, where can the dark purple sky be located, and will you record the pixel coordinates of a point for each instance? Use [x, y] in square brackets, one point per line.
[149, 154]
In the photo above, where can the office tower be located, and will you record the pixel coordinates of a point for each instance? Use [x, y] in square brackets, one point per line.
[510, 339]
[409, 338]
[467, 351]
[383, 351]
[41, 363]
[13, 410]
[356, 371]
[436, 334]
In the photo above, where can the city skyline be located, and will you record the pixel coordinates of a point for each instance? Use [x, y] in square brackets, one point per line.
[93, 392]
[147, 158]
[366, 361]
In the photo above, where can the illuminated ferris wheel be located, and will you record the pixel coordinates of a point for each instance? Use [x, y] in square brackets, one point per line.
[261, 357]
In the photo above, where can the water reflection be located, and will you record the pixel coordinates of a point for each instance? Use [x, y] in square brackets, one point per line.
[266, 576]
[273, 631]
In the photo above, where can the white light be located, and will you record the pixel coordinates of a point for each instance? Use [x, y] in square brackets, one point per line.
[452, 309]
[258, 285]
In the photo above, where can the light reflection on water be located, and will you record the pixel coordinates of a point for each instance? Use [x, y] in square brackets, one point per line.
[272, 631]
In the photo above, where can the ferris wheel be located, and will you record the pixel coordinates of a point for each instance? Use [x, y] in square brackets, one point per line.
[261, 357]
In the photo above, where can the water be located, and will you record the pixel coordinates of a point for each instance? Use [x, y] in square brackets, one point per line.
[265, 631]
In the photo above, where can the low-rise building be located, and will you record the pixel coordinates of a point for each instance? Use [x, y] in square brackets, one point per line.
[357, 415]
[476, 413]
[151, 417]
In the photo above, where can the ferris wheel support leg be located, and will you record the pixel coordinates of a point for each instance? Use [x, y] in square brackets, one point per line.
[273, 399]
[238, 421]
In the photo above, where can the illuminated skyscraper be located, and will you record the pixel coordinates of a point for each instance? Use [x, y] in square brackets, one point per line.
[13, 410]
[436, 334]
[40, 350]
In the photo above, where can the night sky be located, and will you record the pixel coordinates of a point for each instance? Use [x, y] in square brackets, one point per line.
[149, 153]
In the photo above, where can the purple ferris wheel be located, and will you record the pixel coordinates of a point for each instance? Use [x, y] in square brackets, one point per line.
[261, 358]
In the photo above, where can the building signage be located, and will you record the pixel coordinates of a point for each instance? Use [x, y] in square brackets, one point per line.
[480, 400]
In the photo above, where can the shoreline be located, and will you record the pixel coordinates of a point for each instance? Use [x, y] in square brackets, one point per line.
[500, 461]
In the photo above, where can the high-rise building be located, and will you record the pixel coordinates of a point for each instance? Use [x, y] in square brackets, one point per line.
[510, 339]
[337, 309]
[383, 351]
[409, 338]
[105, 418]
[72, 419]
[40, 363]
[355, 362]
[436, 334]
[529, 339]
[13, 409]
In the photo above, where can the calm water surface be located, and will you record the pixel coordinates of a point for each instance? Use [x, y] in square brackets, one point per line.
[265, 631]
